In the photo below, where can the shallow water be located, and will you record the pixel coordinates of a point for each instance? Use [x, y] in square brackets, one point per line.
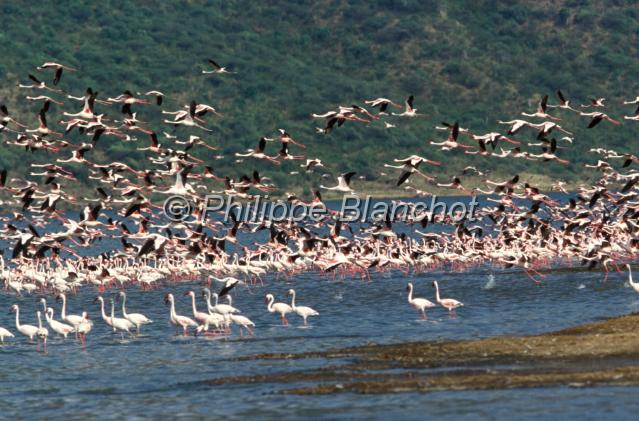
[160, 374]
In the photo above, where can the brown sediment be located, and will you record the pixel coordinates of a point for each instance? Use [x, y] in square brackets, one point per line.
[605, 352]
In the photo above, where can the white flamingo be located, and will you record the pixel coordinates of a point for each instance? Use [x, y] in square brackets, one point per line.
[303, 311]
[4, 333]
[27, 330]
[177, 320]
[223, 308]
[60, 328]
[84, 328]
[137, 319]
[449, 304]
[42, 332]
[281, 308]
[120, 323]
[204, 319]
[72, 319]
[634, 285]
[106, 318]
[420, 304]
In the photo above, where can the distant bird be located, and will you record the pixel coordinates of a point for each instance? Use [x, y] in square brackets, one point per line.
[159, 96]
[343, 183]
[595, 102]
[596, 117]
[58, 70]
[382, 103]
[541, 110]
[409, 111]
[217, 69]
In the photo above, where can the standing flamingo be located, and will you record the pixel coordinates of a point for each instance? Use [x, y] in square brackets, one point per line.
[449, 304]
[301, 311]
[281, 308]
[177, 320]
[420, 304]
[27, 330]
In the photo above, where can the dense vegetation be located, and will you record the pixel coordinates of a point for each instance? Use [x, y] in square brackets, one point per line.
[475, 62]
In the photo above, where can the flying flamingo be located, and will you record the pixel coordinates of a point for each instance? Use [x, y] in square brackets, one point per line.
[58, 70]
[217, 69]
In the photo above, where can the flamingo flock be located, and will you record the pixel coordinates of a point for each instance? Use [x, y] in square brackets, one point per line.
[72, 198]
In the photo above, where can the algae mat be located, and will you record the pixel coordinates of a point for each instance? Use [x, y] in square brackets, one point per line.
[599, 353]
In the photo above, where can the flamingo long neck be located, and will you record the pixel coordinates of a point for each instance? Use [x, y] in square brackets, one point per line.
[124, 306]
[437, 292]
[410, 294]
[104, 316]
[64, 307]
[208, 300]
[193, 304]
[630, 276]
[48, 316]
[293, 300]
[269, 306]
[18, 318]
[39, 321]
[172, 310]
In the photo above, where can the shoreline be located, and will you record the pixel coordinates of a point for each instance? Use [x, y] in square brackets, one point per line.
[597, 353]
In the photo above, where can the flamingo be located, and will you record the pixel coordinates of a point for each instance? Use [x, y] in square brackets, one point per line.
[223, 308]
[634, 285]
[449, 304]
[84, 328]
[42, 332]
[217, 69]
[106, 318]
[4, 333]
[137, 319]
[119, 323]
[27, 330]
[409, 111]
[58, 70]
[302, 311]
[177, 320]
[281, 308]
[60, 328]
[343, 183]
[71, 319]
[200, 316]
[420, 304]
[242, 322]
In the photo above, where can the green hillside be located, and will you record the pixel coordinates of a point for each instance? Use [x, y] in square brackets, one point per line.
[475, 62]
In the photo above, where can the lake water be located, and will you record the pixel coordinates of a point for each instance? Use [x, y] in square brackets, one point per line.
[161, 375]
